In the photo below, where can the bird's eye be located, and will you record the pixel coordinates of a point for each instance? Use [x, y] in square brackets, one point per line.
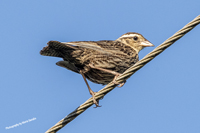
[135, 38]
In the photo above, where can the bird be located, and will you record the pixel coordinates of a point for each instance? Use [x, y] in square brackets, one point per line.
[101, 61]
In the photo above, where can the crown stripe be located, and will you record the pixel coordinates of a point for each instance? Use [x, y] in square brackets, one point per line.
[124, 36]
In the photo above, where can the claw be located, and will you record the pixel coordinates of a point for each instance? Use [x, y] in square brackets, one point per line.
[117, 83]
[96, 102]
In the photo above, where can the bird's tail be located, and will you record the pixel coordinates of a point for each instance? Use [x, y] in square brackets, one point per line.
[53, 49]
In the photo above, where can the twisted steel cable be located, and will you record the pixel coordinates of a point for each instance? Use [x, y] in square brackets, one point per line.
[100, 94]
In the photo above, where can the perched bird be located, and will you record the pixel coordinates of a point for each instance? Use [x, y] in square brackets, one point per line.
[98, 61]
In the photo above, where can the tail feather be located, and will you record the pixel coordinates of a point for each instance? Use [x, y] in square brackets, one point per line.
[57, 45]
[53, 49]
[48, 51]
[58, 49]
[68, 65]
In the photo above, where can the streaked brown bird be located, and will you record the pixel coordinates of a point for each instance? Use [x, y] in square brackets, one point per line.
[98, 61]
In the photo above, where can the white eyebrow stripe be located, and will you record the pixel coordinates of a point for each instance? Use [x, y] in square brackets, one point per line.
[130, 35]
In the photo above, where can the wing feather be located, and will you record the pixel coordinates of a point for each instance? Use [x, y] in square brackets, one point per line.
[86, 45]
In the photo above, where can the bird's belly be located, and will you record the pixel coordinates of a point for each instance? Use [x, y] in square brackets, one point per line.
[102, 77]
[99, 77]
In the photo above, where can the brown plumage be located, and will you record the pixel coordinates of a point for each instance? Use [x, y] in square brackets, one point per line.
[99, 61]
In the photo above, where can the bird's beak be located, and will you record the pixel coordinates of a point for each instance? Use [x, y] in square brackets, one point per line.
[146, 44]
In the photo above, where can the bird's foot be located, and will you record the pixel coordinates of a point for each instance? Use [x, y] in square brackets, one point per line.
[96, 102]
[117, 83]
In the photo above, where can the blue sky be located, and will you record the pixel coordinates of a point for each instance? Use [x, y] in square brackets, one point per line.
[163, 96]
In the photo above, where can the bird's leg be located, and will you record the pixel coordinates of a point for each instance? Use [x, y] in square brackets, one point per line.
[112, 72]
[96, 102]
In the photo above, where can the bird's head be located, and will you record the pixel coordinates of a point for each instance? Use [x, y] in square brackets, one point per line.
[135, 40]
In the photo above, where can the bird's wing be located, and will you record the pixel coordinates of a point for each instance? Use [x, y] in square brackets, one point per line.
[55, 46]
[101, 47]
[87, 45]
[101, 53]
